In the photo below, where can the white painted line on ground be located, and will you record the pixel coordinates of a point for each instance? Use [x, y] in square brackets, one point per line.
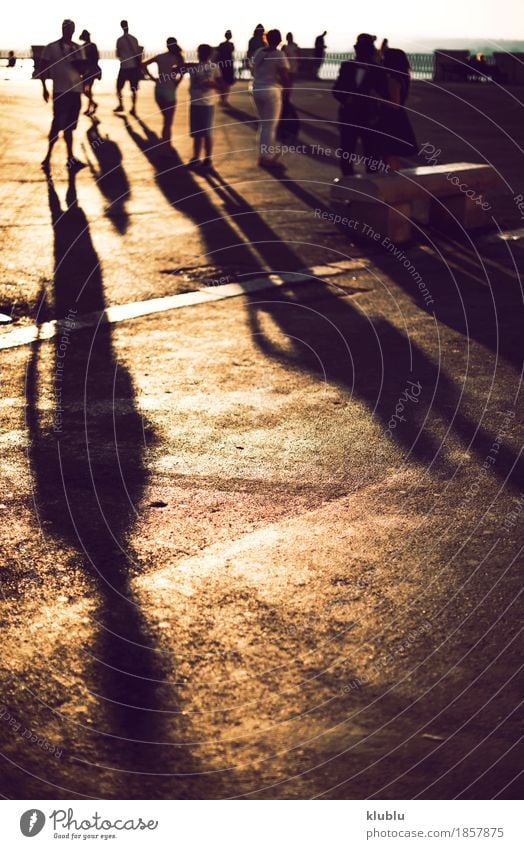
[25, 335]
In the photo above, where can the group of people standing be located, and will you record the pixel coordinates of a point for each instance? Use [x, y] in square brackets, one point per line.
[371, 90]
[73, 68]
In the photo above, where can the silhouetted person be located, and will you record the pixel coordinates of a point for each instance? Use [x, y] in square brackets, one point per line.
[205, 82]
[360, 86]
[62, 62]
[256, 42]
[166, 83]
[270, 77]
[319, 51]
[225, 58]
[396, 137]
[292, 51]
[289, 125]
[92, 70]
[11, 59]
[129, 52]
[320, 45]
[383, 47]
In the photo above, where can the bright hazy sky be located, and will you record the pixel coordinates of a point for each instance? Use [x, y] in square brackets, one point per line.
[37, 22]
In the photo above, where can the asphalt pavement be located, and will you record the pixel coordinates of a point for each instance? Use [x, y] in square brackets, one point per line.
[263, 541]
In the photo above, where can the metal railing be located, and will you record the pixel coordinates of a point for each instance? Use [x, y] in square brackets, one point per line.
[421, 63]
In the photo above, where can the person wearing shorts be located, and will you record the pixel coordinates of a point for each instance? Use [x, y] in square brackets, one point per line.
[129, 52]
[166, 83]
[203, 89]
[62, 62]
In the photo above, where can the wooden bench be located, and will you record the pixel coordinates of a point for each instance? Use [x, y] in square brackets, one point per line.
[438, 195]
[450, 66]
[510, 67]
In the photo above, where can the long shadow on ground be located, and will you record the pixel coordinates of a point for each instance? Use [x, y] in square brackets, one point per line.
[88, 461]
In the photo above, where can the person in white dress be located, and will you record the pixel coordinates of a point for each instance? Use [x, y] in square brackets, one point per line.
[270, 78]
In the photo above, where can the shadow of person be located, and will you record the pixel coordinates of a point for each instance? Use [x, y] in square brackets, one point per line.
[416, 403]
[274, 252]
[224, 248]
[262, 251]
[89, 475]
[488, 310]
[480, 299]
[334, 339]
[110, 176]
[370, 359]
[446, 399]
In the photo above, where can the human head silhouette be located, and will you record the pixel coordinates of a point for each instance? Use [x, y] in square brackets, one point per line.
[396, 60]
[289, 38]
[172, 44]
[125, 26]
[365, 46]
[205, 51]
[85, 36]
[274, 38]
[68, 29]
[228, 35]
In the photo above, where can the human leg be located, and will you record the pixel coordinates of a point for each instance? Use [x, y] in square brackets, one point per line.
[134, 77]
[120, 80]
[169, 115]
[88, 91]
[197, 147]
[348, 143]
[71, 103]
[52, 140]
[269, 106]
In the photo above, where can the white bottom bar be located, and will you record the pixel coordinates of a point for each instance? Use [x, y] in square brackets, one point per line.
[263, 824]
